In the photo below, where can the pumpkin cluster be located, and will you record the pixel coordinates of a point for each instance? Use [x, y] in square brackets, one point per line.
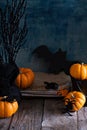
[76, 99]
[24, 78]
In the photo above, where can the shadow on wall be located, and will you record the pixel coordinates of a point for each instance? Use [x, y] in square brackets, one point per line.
[55, 62]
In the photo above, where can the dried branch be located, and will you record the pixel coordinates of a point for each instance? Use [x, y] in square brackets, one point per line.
[13, 28]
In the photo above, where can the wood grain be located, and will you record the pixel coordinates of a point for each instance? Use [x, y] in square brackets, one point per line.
[5, 123]
[55, 119]
[29, 115]
[44, 114]
[37, 89]
[82, 119]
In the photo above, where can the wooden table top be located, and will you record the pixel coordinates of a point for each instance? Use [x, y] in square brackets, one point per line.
[44, 114]
[38, 88]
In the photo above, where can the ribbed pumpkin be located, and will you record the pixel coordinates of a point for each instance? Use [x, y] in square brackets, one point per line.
[7, 109]
[25, 78]
[75, 100]
[79, 71]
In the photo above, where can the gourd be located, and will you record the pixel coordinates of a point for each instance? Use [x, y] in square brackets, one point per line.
[79, 71]
[74, 100]
[7, 109]
[25, 78]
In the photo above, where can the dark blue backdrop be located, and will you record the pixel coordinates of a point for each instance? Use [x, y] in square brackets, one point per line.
[56, 24]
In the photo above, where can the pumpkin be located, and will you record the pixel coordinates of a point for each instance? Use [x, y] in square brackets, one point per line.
[25, 78]
[79, 71]
[7, 109]
[74, 100]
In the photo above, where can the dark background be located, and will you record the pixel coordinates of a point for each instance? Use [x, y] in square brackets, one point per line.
[56, 24]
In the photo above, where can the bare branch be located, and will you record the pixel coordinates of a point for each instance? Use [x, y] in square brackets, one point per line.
[12, 32]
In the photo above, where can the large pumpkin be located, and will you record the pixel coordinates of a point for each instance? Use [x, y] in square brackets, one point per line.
[25, 78]
[79, 71]
[7, 109]
[75, 100]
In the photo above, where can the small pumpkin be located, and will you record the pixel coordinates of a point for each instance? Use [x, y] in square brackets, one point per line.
[25, 78]
[79, 71]
[74, 100]
[7, 109]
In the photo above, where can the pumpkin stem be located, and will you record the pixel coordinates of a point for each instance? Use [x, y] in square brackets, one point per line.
[21, 72]
[14, 100]
[82, 63]
[5, 97]
[72, 96]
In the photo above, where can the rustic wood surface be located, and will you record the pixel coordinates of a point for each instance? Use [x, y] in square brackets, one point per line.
[39, 112]
[44, 114]
[38, 89]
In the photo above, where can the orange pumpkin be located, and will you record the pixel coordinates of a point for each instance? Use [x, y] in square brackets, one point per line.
[25, 78]
[7, 109]
[79, 71]
[75, 100]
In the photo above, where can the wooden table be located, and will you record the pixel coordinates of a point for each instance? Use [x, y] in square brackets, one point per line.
[44, 114]
[42, 109]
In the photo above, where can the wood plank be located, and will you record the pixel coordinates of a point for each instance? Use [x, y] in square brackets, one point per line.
[39, 93]
[55, 119]
[5, 123]
[37, 89]
[29, 115]
[48, 128]
[82, 119]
